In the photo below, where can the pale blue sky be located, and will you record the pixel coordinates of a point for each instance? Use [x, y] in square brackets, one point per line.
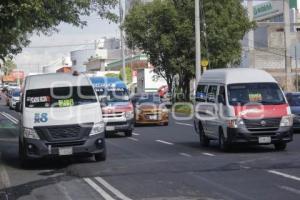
[32, 59]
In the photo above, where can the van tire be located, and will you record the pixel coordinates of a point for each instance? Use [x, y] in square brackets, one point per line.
[204, 141]
[100, 156]
[223, 144]
[128, 133]
[280, 146]
[23, 159]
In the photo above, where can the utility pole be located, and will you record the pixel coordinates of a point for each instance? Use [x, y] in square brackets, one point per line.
[198, 40]
[122, 42]
[251, 53]
[296, 61]
[287, 30]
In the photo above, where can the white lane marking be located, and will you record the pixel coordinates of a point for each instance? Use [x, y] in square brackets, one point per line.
[10, 119]
[133, 139]
[164, 142]
[104, 194]
[245, 167]
[185, 154]
[185, 124]
[11, 116]
[290, 189]
[284, 175]
[136, 134]
[112, 189]
[208, 154]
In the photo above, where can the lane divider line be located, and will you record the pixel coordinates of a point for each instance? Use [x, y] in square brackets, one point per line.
[284, 175]
[112, 189]
[9, 115]
[164, 142]
[10, 119]
[185, 154]
[133, 139]
[208, 154]
[136, 134]
[290, 189]
[96, 187]
[185, 124]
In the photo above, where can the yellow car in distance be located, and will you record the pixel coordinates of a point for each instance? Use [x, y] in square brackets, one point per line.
[149, 109]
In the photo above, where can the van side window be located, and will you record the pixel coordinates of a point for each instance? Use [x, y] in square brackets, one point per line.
[212, 93]
[222, 95]
[201, 93]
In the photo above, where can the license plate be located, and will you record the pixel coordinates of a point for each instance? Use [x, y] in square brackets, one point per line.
[65, 151]
[110, 128]
[153, 117]
[264, 140]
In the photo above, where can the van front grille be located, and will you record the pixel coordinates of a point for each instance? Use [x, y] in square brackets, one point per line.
[268, 124]
[63, 133]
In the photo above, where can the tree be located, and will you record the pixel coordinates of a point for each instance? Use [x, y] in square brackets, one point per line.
[20, 19]
[112, 75]
[128, 74]
[8, 66]
[164, 30]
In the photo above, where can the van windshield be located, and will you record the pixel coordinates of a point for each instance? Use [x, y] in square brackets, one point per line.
[263, 93]
[60, 97]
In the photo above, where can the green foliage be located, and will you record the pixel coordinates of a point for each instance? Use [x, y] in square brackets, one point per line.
[8, 66]
[128, 74]
[226, 25]
[164, 30]
[20, 19]
[112, 75]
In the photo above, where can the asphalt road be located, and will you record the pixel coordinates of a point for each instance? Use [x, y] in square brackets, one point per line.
[157, 163]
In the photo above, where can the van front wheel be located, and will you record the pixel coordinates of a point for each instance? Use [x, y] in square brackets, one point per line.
[223, 144]
[128, 133]
[204, 141]
[280, 146]
[23, 159]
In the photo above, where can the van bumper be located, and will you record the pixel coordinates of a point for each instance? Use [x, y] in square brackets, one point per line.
[242, 135]
[41, 148]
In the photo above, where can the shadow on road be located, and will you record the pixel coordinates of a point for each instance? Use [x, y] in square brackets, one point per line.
[236, 149]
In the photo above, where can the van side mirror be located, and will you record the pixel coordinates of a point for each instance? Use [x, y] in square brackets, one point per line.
[18, 107]
[103, 101]
[221, 99]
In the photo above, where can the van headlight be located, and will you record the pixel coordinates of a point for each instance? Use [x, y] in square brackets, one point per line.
[97, 128]
[129, 114]
[30, 133]
[235, 123]
[286, 121]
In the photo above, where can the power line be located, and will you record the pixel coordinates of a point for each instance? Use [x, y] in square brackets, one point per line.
[58, 46]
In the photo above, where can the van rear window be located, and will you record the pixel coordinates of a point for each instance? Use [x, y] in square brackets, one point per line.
[60, 97]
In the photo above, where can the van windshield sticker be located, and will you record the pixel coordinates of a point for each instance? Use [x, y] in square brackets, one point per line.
[65, 102]
[255, 97]
[42, 99]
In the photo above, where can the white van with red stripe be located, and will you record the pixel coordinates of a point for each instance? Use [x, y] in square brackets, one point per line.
[242, 105]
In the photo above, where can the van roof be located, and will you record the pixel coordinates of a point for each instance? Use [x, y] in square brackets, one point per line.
[100, 81]
[55, 80]
[236, 75]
